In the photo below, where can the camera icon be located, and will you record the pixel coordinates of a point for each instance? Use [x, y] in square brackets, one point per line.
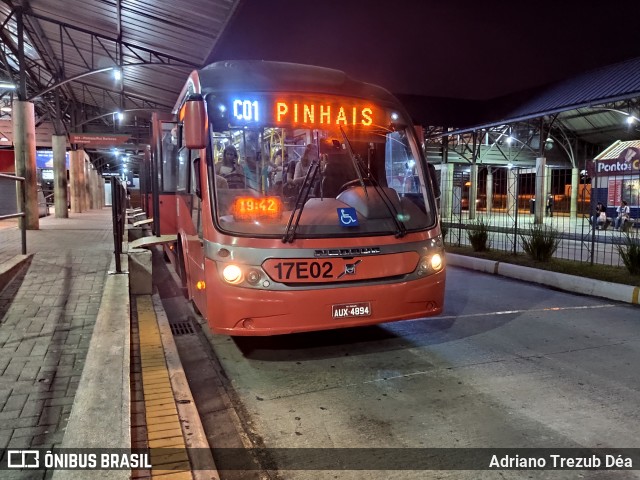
[23, 458]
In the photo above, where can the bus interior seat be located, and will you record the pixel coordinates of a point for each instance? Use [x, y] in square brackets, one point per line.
[235, 180]
[337, 172]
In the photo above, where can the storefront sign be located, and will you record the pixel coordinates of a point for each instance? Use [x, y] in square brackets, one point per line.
[628, 163]
[93, 139]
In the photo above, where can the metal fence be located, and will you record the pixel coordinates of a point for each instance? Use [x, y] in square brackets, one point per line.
[20, 183]
[505, 201]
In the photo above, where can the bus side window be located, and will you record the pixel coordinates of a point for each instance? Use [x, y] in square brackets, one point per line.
[170, 158]
[183, 171]
[195, 184]
[196, 195]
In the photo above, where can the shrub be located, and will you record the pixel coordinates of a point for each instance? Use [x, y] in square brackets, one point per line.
[541, 242]
[478, 234]
[630, 254]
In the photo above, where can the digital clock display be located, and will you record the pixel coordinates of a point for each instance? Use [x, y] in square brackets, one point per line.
[252, 209]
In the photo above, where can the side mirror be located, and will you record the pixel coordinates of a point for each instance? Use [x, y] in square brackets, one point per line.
[194, 117]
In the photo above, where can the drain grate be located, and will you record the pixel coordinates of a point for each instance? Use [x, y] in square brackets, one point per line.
[182, 328]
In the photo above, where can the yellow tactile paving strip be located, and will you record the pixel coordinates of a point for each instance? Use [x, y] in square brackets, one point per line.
[163, 425]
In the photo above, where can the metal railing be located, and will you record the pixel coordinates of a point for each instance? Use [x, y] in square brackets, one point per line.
[118, 215]
[22, 213]
[508, 212]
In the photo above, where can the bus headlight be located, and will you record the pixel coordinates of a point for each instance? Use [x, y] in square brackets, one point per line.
[232, 274]
[436, 262]
[430, 264]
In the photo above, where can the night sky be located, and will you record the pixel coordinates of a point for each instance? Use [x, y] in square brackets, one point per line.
[464, 49]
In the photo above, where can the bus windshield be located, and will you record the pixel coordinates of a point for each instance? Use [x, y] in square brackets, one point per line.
[322, 182]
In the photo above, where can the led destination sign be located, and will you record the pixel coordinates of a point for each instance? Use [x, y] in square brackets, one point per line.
[246, 110]
[312, 111]
[322, 114]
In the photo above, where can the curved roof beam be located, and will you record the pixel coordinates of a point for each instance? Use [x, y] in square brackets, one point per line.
[102, 70]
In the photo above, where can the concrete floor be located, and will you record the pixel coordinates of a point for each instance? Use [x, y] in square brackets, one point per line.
[508, 364]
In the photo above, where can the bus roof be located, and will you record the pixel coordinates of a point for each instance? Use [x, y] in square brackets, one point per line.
[264, 76]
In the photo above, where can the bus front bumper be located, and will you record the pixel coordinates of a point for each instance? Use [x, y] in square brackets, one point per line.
[240, 311]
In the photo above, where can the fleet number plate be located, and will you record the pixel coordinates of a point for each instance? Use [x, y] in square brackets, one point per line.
[347, 310]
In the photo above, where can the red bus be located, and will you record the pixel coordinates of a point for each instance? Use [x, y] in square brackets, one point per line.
[302, 201]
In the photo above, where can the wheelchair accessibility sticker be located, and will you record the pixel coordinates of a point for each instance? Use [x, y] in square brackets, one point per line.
[348, 217]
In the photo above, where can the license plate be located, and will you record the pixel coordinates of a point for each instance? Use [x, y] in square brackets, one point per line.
[347, 310]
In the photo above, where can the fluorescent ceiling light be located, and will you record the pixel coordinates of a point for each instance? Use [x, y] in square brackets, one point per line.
[8, 85]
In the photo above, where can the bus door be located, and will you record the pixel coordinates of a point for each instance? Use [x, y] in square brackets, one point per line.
[190, 220]
[164, 173]
[146, 193]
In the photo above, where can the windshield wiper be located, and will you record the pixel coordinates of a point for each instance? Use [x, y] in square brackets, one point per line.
[301, 199]
[354, 161]
[359, 165]
[401, 230]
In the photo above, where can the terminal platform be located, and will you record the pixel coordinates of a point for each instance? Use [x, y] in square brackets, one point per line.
[83, 363]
